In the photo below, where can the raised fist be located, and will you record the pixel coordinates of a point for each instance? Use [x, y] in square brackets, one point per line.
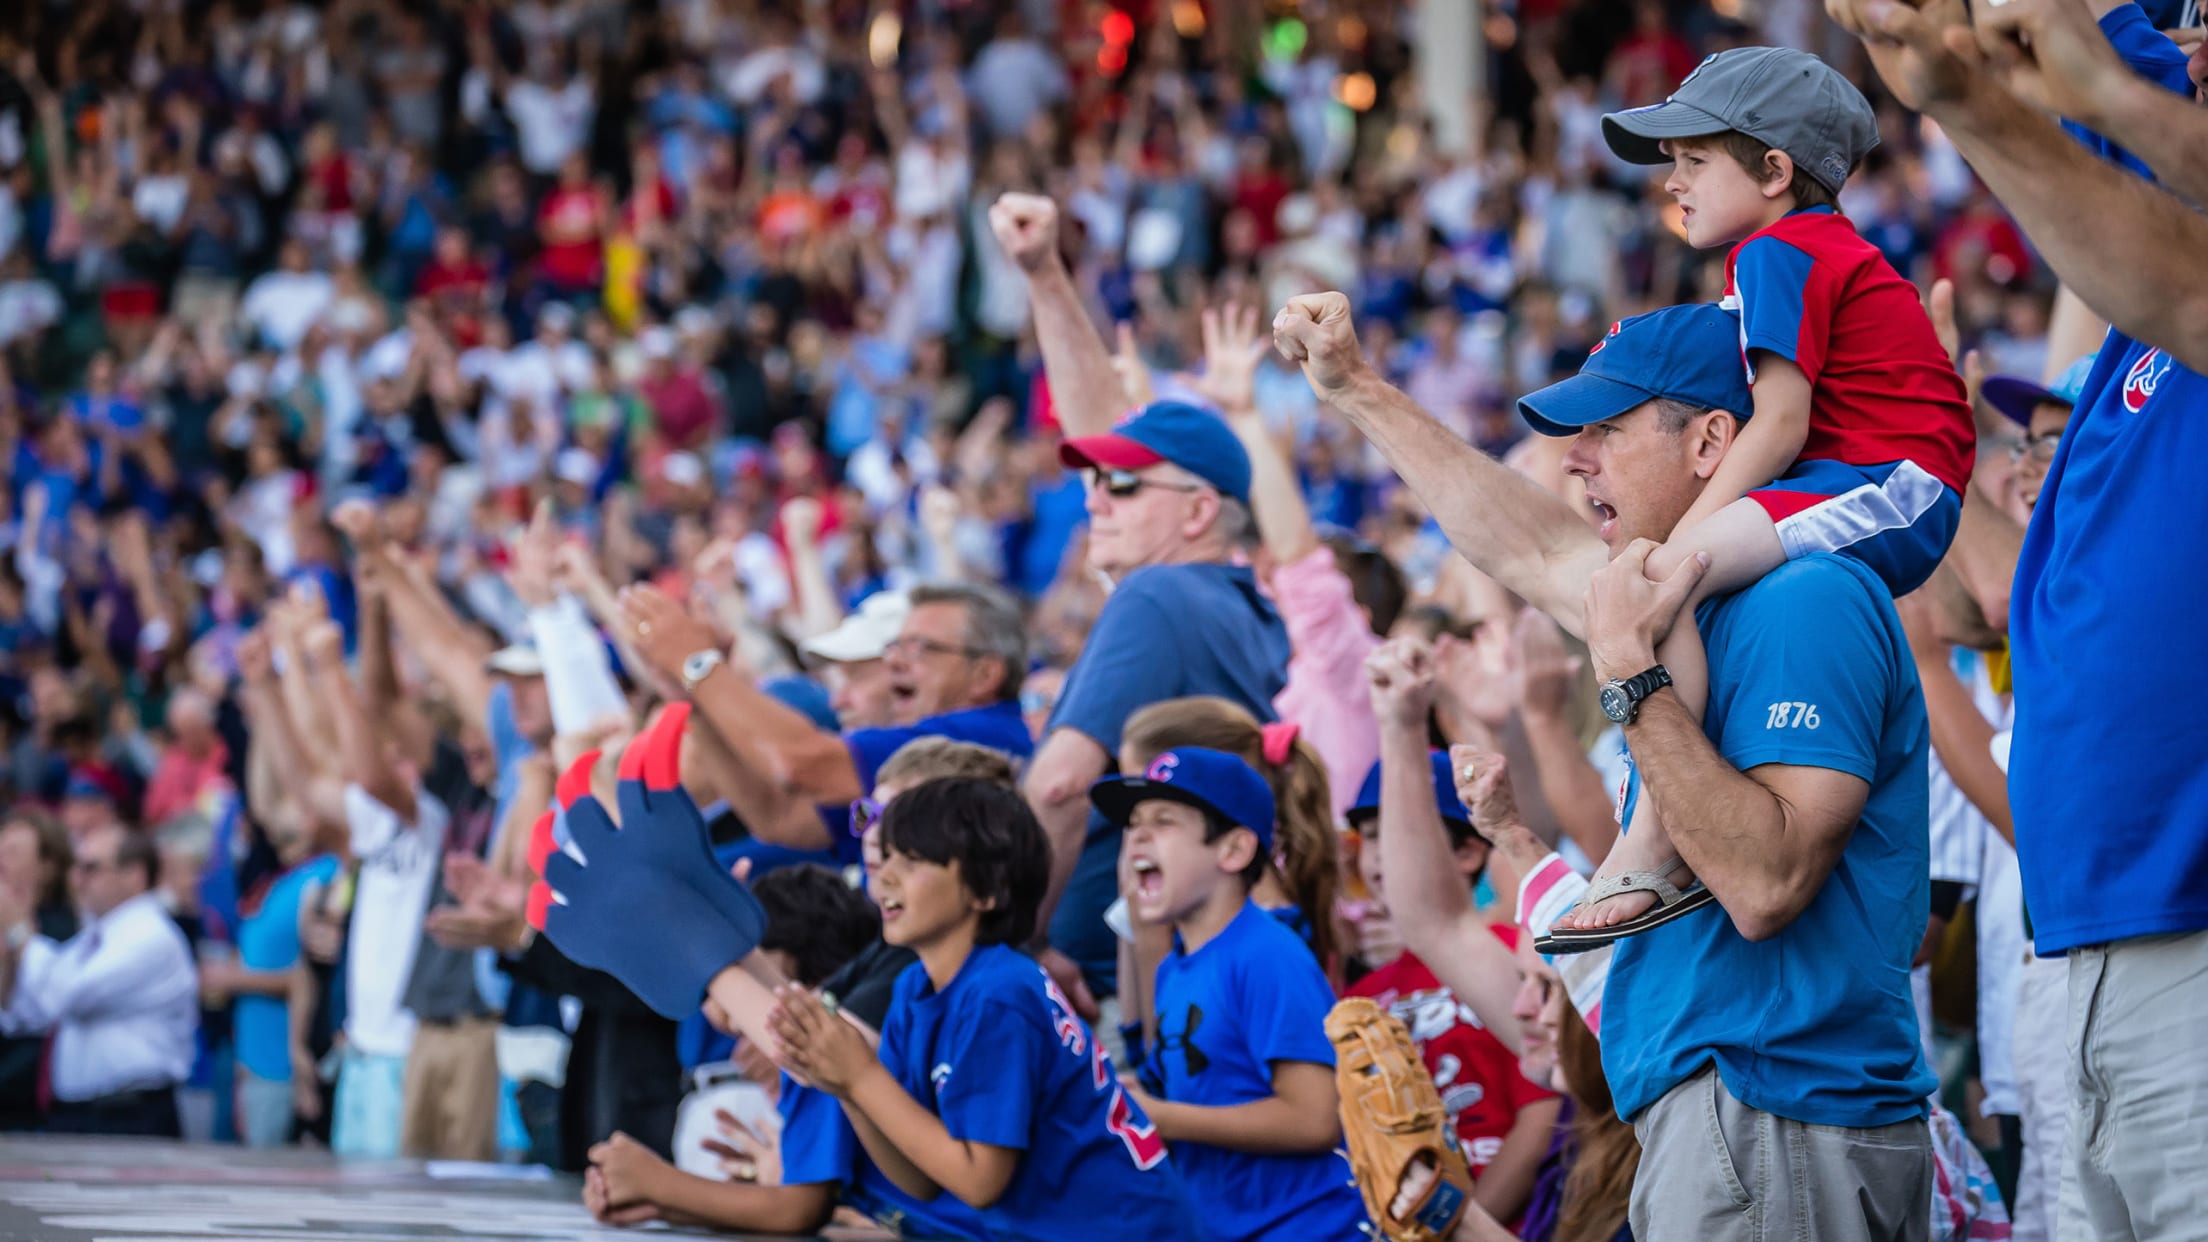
[1026, 226]
[1315, 332]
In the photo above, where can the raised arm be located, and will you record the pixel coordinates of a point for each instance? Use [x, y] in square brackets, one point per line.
[2131, 250]
[1547, 676]
[1084, 389]
[359, 742]
[1233, 347]
[1506, 525]
[1427, 895]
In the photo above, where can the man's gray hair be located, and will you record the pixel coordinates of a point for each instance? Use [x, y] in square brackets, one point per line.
[1236, 524]
[1674, 415]
[995, 627]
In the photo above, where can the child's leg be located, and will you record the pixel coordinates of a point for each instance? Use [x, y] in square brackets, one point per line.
[1743, 545]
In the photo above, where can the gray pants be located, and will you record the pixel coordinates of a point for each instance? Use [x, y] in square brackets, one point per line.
[2136, 1165]
[1715, 1170]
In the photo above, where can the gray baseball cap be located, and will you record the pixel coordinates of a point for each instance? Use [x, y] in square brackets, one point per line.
[1780, 97]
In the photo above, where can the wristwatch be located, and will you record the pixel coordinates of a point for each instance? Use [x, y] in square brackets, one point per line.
[1621, 700]
[697, 666]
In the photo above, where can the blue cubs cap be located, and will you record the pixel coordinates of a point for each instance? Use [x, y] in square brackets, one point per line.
[1453, 814]
[2017, 397]
[1686, 353]
[1193, 438]
[1209, 780]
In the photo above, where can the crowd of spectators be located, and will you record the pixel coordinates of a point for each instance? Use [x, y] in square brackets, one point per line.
[396, 398]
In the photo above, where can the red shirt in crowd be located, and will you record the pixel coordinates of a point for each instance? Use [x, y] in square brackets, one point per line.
[1477, 1076]
[568, 226]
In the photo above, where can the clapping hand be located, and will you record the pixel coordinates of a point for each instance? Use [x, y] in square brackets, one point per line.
[816, 1044]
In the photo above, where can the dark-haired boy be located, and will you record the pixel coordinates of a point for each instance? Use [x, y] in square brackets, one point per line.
[988, 1086]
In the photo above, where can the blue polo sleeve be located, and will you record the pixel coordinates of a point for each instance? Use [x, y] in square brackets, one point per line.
[871, 748]
[1123, 666]
[1808, 666]
[1782, 309]
[2152, 56]
[818, 1143]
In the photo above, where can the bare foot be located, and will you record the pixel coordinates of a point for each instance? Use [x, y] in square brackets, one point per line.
[1415, 1181]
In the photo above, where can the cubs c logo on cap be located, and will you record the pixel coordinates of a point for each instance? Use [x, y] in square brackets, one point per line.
[1162, 768]
[1606, 338]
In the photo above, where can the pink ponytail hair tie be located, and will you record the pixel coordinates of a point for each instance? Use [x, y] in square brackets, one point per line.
[1278, 741]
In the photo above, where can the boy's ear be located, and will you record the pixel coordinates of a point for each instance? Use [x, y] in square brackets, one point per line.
[1239, 849]
[1779, 173]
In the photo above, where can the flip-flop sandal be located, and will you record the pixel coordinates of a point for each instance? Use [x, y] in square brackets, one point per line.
[1670, 904]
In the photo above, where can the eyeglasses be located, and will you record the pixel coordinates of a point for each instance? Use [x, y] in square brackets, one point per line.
[865, 813]
[1123, 484]
[2040, 448]
[915, 646]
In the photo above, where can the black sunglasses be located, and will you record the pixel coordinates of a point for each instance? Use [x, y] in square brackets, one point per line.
[1122, 484]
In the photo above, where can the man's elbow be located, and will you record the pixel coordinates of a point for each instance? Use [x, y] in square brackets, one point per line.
[1764, 916]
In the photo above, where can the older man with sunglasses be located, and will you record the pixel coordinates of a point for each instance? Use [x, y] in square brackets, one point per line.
[1168, 500]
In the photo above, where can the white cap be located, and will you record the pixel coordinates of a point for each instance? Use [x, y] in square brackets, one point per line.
[683, 469]
[694, 321]
[865, 634]
[519, 660]
[577, 466]
[657, 341]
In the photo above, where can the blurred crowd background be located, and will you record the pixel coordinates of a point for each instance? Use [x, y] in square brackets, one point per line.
[713, 279]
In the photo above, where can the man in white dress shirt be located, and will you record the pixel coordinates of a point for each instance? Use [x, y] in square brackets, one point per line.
[121, 997]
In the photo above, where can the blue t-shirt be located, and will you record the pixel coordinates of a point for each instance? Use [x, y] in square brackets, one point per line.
[2109, 790]
[819, 1145]
[1227, 1013]
[1001, 1057]
[1167, 632]
[268, 939]
[998, 726]
[1808, 667]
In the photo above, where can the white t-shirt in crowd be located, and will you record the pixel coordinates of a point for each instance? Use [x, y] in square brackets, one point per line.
[282, 305]
[398, 868]
[550, 123]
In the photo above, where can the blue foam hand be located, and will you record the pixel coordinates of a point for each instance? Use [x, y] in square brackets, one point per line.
[665, 941]
[676, 840]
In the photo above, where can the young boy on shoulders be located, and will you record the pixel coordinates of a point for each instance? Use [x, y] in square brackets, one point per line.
[1242, 1078]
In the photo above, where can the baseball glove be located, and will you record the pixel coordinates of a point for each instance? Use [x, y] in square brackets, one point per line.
[1409, 1165]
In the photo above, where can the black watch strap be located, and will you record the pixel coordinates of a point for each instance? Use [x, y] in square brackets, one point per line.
[1641, 685]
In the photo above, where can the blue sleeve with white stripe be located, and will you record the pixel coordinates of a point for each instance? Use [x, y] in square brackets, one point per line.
[1771, 278]
[2152, 56]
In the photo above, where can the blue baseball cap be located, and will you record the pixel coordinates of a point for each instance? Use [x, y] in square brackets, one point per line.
[1367, 805]
[2017, 397]
[1209, 780]
[1685, 353]
[1193, 438]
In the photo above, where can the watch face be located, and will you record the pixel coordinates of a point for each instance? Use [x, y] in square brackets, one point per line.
[1616, 703]
[698, 665]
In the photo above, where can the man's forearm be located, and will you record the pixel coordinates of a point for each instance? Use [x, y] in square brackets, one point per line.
[1066, 827]
[1084, 387]
[2166, 130]
[773, 741]
[2132, 251]
[1729, 829]
[1505, 524]
[1963, 739]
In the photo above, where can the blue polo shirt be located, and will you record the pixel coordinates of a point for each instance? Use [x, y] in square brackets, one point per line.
[1000, 1056]
[268, 939]
[1167, 632]
[2107, 779]
[818, 1145]
[1249, 999]
[1808, 667]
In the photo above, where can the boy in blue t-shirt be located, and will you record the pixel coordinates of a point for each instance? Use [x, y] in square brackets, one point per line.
[986, 1085]
[1242, 1078]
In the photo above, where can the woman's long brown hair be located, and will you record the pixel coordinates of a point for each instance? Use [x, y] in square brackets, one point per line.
[1308, 856]
[1604, 1154]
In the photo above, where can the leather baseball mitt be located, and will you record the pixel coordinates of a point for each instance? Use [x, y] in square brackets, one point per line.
[1408, 1162]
